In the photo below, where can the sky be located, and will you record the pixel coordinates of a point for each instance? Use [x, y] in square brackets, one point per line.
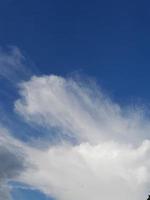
[74, 100]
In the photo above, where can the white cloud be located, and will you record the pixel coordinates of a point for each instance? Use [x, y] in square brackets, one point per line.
[111, 156]
[101, 171]
[75, 109]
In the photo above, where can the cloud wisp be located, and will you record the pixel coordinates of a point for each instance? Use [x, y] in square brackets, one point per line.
[13, 64]
[107, 155]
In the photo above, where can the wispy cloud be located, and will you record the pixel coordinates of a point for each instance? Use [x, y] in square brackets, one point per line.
[11, 162]
[106, 156]
[12, 64]
[80, 111]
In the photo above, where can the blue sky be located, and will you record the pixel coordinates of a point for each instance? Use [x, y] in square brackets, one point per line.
[103, 41]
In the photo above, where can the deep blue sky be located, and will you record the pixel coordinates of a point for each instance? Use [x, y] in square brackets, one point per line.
[107, 40]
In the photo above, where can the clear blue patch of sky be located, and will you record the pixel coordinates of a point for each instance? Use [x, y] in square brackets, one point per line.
[21, 192]
[108, 40]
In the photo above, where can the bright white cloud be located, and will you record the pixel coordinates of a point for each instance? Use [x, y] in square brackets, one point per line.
[79, 111]
[111, 156]
[101, 171]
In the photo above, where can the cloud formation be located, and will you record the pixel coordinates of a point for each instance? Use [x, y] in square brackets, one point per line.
[79, 110]
[110, 158]
[103, 148]
[11, 162]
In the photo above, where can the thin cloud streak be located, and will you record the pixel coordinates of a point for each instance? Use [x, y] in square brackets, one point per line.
[13, 65]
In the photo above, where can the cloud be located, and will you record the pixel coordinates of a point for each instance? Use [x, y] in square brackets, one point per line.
[11, 162]
[106, 156]
[12, 64]
[80, 111]
[110, 155]
[85, 171]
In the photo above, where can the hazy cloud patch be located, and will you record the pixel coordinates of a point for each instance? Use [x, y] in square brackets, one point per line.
[13, 64]
[11, 162]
